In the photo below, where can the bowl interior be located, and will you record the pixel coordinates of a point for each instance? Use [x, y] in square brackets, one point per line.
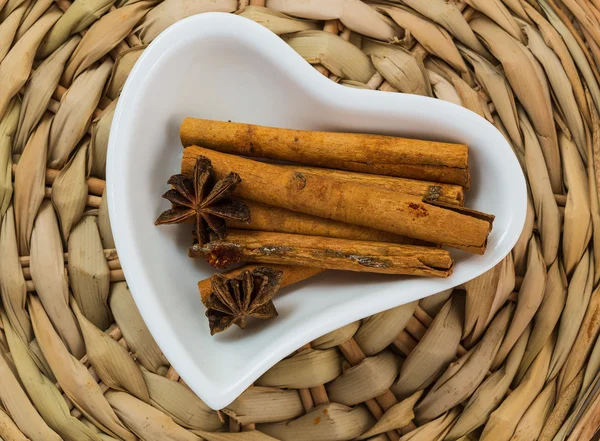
[223, 67]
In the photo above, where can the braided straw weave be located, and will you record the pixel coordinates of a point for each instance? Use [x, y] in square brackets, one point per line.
[512, 355]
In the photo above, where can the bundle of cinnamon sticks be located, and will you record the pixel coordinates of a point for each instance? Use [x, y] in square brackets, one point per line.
[341, 201]
[376, 188]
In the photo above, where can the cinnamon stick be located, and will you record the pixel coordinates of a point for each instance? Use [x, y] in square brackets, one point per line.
[445, 193]
[324, 252]
[381, 155]
[291, 275]
[329, 197]
[280, 220]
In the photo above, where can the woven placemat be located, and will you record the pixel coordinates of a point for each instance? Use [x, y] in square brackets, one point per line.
[511, 355]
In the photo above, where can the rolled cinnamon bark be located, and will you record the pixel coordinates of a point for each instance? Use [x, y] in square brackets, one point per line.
[291, 275]
[445, 193]
[324, 252]
[381, 155]
[350, 202]
[280, 220]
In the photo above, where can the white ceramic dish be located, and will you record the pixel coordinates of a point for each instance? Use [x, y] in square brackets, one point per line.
[222, 66]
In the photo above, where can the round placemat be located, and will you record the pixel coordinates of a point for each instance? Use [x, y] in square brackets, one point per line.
[513, 354]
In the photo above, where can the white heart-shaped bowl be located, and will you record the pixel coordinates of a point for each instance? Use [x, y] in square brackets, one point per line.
[224, 67]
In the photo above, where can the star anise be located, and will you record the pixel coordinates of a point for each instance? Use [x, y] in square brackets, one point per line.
[234, 299]
[208, 202]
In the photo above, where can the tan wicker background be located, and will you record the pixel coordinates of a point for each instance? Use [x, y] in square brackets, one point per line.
[513, 355]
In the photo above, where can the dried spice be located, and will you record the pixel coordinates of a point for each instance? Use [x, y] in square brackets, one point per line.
[266, 247]
[234, 299]
[376, 154]
[207, 201]
[323, 195]
[291, 275]
[270, 218]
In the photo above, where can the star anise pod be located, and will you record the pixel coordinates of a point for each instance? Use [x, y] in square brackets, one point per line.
[234, 299]
[208, 202]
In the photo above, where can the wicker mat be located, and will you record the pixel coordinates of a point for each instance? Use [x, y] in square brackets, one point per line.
[511, 355]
